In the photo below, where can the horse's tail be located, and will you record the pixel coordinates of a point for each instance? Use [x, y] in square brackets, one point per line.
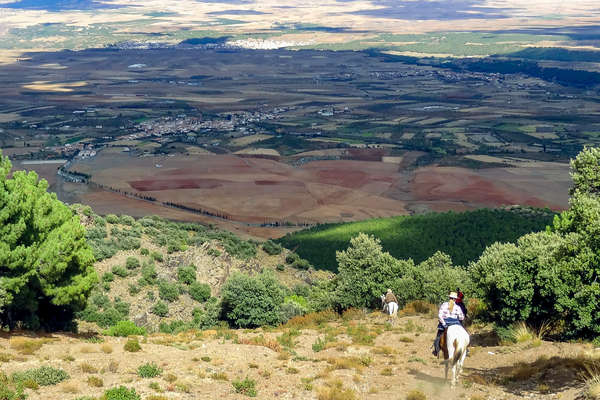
[459, 349]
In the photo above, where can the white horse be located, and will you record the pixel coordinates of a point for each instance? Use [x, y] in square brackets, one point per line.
[457, 341]
[391, 309]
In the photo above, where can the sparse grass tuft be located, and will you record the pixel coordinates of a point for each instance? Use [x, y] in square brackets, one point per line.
[335, 390]
[132, 345]
[387, 372]
[246, 387]
[219, 376]
[87, 368]
[106, 348]
[416, 395]
[95, 381]
[149, 370]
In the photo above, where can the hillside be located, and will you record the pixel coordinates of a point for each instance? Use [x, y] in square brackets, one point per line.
[321, 356]
[463, 236]
[154, 271]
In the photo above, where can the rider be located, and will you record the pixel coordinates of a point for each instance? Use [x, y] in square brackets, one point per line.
[448, 315]
[389, 298]
[460, 302]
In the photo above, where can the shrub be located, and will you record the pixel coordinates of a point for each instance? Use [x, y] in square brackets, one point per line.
[213, 252]
[250, 301]
[149, 370]
[168, 291]
[272, 248]
[132, 263]
[119, 271]
[133, 289]
[126, 220]
[108, 277]
[149, 275]
[157, 256]
[280, 267]
[124, 329]
[132, 345]
[199, 291]
[112, 219]
[43, 376]
[121, 393]
[186, 275]
[246, 387]
[160, 309]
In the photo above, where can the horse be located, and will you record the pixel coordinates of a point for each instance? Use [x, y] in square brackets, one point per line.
[390, 308]
[455, 350]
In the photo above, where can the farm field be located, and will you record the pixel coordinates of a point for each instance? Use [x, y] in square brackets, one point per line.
[258, 191]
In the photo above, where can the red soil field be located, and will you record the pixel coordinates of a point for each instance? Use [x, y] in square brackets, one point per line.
[258, 190]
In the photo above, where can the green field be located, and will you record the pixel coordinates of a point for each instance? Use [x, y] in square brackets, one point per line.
[463, 236]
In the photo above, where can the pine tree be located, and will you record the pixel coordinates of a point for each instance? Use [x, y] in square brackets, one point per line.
[46, 265]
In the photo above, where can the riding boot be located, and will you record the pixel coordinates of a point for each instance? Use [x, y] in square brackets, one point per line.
[436, 343]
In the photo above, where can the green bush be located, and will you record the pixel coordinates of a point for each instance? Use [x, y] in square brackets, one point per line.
[108, 277]
[112, 219]
[272, 248]
[149, 275]
[186, 275]
[119, 271]
[199, 291]
[43, 376]
[124, 329]
[121, 393]
[246, 387]
[160, 309]
[280, 267]
[133, 289]
[122, 307]
[126, 220]
[132, 263]
[149, 370]
[251, 301]
[213, 252]
[168, 291]
[157, 256]
[144, 251]
[132, 346]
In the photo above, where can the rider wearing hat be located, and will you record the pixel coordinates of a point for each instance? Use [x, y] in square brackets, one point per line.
[450, 314]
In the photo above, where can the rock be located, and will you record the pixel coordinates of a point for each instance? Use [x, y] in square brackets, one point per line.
[141, 319]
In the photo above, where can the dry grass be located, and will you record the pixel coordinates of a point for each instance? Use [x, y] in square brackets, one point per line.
[261, 341]
[419, 307]
[334, 390]
[311, 320]
[356, 363]
[95, 381]
[69, 388]
[27, 346]
[416, 395]
[106, 348]
[87, 368]
[87, 349]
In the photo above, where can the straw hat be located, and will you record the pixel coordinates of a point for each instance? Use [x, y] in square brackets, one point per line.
[453, 295]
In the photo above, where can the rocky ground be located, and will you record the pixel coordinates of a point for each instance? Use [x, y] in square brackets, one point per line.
[320, 356]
